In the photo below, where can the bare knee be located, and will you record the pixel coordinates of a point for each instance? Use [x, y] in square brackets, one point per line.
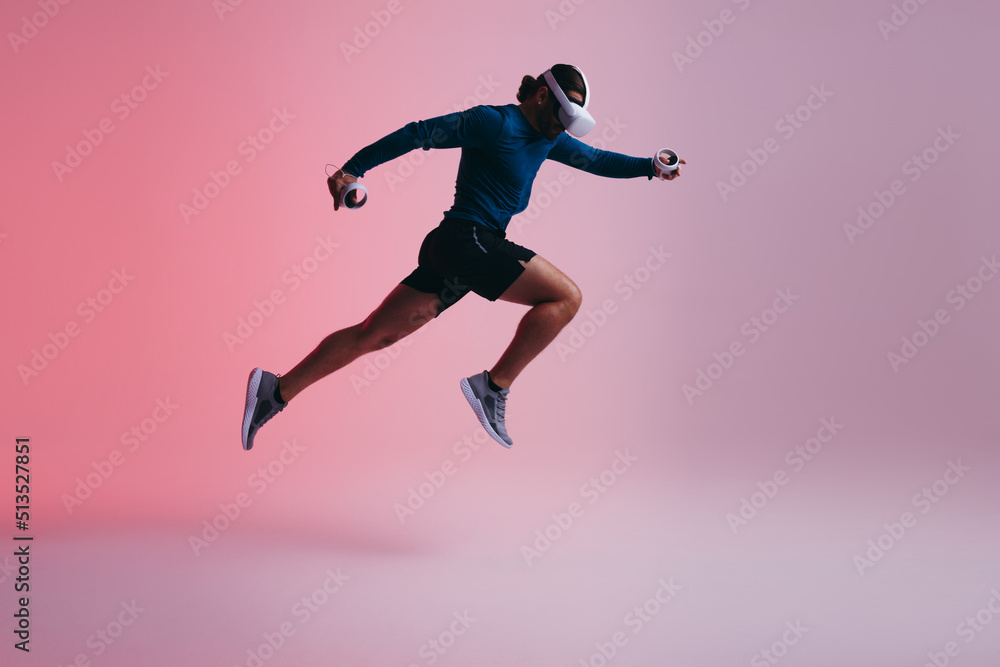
[572, 300]
[371, 339]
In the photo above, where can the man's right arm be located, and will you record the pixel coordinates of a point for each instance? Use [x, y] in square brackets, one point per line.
[478, 126]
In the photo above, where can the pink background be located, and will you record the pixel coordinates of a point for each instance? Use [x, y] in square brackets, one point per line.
[364, 448]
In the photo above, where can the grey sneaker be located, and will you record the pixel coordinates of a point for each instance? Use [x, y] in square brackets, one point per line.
[261, 403]
[488, 405]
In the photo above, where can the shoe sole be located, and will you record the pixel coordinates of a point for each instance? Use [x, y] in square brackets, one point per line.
[253, 383]
[477, 407]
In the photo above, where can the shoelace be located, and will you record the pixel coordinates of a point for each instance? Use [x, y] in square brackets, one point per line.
[275, 408]
[501, 405]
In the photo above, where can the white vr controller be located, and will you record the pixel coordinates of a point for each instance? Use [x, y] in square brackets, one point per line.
[351, 187]
[666, 162]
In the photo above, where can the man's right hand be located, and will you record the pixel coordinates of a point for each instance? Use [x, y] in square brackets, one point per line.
[337, 183]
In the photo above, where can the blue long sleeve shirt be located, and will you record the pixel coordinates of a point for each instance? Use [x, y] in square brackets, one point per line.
[501, 154]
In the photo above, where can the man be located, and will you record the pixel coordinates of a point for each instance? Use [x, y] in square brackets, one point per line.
[502, 150]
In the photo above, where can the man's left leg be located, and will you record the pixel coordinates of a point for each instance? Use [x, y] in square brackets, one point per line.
[554, 300]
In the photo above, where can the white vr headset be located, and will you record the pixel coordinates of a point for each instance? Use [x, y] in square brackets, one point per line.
[575, 118]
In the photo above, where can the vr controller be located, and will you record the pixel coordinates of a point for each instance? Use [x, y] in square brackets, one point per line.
[358, 202]
[666, 162]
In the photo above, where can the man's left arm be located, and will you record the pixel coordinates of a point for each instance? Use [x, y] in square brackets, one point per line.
[574, 153]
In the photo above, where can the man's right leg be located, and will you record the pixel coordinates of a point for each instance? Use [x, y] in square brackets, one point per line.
[554, 300]
[401, 313]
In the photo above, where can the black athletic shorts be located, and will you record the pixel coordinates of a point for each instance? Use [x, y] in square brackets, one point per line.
[459, 256]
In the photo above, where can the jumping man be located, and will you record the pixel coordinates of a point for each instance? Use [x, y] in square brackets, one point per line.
[502, 150]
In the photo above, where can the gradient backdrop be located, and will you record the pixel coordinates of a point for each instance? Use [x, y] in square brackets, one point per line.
[777, 445]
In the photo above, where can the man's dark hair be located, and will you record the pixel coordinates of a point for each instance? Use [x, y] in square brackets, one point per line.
[565, 75]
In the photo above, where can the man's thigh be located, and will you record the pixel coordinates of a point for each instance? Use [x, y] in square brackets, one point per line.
[540, 282]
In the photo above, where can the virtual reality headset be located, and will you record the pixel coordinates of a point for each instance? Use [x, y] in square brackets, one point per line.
[575, 118]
